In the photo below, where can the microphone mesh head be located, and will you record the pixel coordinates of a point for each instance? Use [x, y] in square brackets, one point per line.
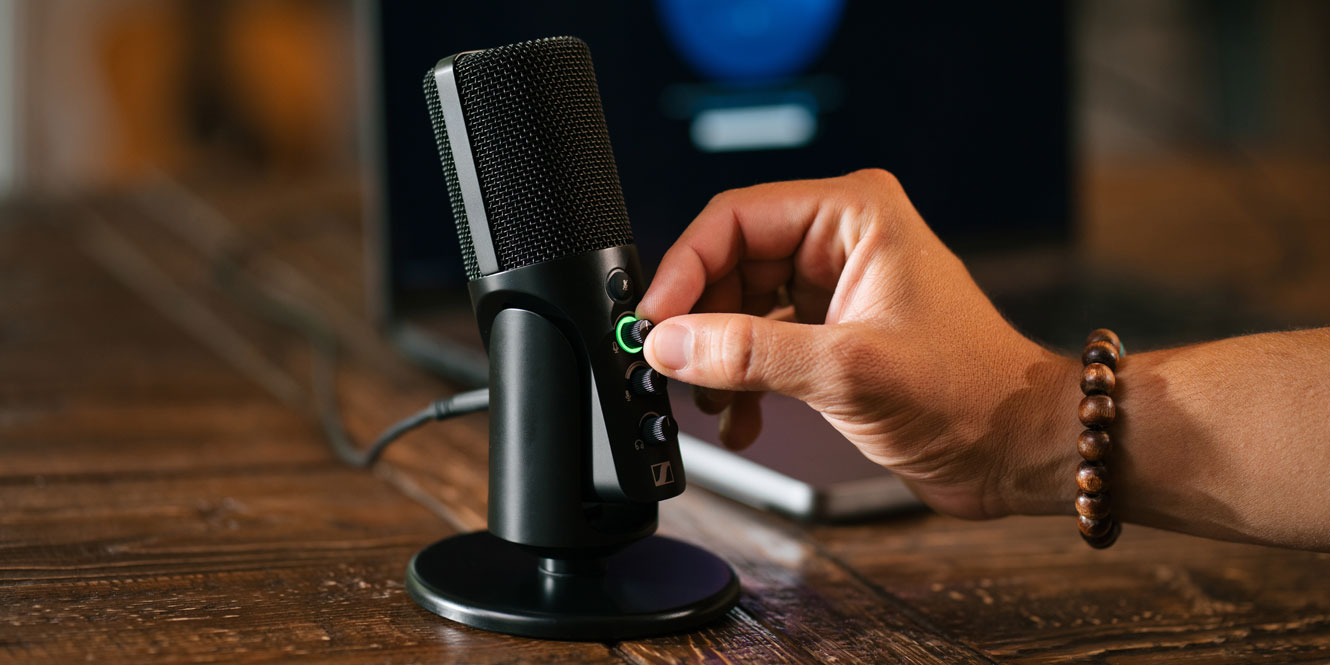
[541, 150]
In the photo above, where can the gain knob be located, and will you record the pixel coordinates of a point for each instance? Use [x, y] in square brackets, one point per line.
[645, 381]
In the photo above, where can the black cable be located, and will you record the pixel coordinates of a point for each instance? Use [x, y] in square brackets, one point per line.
[457, 405]
[228, 274]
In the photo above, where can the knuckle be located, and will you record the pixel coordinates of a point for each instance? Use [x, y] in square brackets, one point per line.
[880, 177]
[722, 199]
[736, 351]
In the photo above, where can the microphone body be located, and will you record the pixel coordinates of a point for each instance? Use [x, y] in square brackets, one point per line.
[553, 274]
[582, 441]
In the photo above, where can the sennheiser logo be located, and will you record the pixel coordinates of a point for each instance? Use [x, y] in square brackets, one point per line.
[663, 473]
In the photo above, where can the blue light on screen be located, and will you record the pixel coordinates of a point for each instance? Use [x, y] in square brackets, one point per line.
[753, 50]
[749, 41]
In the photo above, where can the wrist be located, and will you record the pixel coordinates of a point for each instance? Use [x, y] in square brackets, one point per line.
[1039, 467]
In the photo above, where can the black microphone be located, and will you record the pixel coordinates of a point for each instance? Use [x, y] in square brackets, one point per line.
[583, 443]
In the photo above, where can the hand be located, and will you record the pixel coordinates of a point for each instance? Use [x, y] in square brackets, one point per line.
[890, 340]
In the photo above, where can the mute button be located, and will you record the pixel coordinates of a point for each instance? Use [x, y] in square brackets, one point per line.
[619, 285]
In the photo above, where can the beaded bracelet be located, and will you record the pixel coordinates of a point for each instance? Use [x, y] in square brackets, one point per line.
[1097, 411]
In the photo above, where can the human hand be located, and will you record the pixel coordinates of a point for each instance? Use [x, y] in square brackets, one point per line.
[890, 340]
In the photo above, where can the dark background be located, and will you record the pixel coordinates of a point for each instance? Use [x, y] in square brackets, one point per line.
[1158, 166]
[967, 103]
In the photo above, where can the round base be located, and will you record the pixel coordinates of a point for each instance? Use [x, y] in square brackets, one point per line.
[654, 586]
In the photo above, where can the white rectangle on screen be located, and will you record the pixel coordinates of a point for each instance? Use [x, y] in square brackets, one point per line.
[766, 127]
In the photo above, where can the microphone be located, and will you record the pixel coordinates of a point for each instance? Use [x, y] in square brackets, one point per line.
[583, 444]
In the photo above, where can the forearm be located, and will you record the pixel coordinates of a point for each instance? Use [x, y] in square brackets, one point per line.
[1226, 439]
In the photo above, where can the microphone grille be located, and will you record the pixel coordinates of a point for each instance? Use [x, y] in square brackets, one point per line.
[541, 150]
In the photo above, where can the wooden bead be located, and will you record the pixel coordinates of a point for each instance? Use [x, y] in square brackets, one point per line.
[1110, 537]
[1094, 445]
[1097, 411]
[1101, 352]
[1093, 528]
[1103, 335]
[1092, 477]
[1093, 506]
[1097, 379]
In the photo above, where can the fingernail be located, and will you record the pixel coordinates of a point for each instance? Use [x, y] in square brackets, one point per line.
[670, 344]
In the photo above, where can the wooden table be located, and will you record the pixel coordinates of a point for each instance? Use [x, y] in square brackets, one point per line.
[165, 495]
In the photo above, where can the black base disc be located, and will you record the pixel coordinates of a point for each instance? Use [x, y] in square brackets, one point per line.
[654, 586]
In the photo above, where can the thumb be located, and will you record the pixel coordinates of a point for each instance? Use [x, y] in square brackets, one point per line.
[739, 352]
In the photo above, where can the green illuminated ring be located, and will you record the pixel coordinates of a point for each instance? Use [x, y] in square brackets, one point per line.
[628, 319]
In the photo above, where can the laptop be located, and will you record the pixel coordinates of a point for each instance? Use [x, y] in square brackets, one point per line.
[967, 103]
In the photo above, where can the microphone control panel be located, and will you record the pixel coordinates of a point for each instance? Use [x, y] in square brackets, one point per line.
[590, 298]
[641, 429]
[635, 407]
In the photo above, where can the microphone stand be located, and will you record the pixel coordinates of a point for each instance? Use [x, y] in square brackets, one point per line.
[559, 560]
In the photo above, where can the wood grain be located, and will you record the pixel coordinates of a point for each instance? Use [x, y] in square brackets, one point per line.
[1028, 590]
[165, 495]
[159, 506]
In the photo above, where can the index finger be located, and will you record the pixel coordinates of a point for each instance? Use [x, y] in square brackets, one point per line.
[764, 222]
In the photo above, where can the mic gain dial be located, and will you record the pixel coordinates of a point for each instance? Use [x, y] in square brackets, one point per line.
[645, 381]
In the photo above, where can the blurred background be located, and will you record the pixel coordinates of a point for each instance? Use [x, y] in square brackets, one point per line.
[1181, 189]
